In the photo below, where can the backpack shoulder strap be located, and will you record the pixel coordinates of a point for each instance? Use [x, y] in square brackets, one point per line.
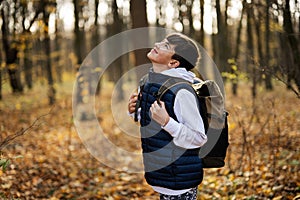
[168, 84]
[201, 100]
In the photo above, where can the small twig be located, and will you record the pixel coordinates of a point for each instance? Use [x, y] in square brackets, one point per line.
[276, 148]
[263, 126]
[21, 132]
[245, 144]
[270, 72]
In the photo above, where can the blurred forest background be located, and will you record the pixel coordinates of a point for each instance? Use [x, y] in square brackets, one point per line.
[254, 43]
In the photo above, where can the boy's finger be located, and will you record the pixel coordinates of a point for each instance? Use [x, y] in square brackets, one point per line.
[161, 104]
[134, 95]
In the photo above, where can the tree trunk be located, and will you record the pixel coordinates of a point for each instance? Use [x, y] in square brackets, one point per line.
[96, 40]
[0, 79]
[268, 82]
[288, 28]
[28, 63]
[222, 39]
[96, 13]
[79, 35]
[261, 59]
[79, 48]
[51, 89]
[27, 52]
[139, 19]
[299, 24]
[191, 20]
[237, 48]
[118, 65]
[251, 49]
[10, 53]
[202, 23]
[181, 16]
[56, 49]
[161, 16]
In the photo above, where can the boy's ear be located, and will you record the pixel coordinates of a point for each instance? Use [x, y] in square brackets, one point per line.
[173, 63]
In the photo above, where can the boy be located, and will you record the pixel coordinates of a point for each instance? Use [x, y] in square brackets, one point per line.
[172, 130]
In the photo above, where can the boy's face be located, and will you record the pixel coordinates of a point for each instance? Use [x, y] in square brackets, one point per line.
[161, 53]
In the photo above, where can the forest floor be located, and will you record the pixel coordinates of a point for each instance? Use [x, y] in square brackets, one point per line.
[50, 160]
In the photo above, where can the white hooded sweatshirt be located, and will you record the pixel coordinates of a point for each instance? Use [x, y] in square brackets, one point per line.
[189, 131]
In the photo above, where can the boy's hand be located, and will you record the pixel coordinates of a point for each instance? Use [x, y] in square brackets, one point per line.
[132, 103]
[159, 113]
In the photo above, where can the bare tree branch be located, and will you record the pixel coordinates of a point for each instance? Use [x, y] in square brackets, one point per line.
[21, 132]
[272, 73]
[39, 10]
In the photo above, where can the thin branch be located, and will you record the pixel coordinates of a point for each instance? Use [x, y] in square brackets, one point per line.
[39, 10]
[271, 72]
[282, 80]
[21, 132]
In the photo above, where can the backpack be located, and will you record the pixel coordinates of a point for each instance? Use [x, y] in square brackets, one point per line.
[214, 116]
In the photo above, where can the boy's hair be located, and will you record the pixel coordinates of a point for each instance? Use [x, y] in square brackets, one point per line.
[186, 51]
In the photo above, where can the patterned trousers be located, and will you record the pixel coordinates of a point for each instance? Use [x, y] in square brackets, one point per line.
[189, 195]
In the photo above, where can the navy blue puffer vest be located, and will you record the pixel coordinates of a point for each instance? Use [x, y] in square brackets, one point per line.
[166, 165]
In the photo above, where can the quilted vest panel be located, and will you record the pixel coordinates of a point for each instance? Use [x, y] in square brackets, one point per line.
[166, 165]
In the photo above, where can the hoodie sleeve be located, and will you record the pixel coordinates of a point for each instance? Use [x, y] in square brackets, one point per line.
[189, 132]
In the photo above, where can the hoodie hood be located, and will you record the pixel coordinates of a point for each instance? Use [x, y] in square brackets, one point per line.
[180, 73]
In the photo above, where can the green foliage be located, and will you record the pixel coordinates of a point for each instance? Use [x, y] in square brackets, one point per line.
[235, 74]
[4, 163]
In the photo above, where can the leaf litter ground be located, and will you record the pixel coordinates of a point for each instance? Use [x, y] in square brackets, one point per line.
[51, 162]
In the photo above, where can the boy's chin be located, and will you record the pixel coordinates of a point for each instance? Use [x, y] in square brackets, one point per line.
[150, 56]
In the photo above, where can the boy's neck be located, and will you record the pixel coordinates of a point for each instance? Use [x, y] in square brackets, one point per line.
[158, 68]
